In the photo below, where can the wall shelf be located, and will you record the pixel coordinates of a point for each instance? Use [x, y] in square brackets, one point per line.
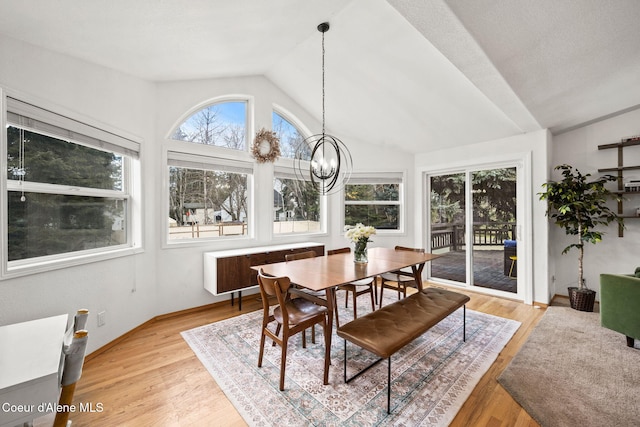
[619, 170]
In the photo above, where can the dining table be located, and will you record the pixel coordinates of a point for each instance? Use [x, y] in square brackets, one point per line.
[326, 273]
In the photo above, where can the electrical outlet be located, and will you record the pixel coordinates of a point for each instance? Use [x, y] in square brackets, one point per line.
[102, 318]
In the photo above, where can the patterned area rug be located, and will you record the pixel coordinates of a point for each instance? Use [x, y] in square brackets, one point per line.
[432, 377]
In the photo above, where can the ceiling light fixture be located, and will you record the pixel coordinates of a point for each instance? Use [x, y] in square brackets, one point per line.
[323, 158]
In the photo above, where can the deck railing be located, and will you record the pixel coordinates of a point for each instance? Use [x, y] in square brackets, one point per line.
[484, 234]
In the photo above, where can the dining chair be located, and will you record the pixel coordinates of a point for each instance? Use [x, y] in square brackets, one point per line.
[319, 297]
[74, 353]
[357, 288]
[402, 278]
[293, 315]
[74, 346]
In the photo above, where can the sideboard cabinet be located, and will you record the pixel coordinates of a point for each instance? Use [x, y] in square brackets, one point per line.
[230, 270]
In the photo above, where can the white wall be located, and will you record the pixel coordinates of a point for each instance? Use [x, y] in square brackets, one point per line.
[532, 146]
[579, 148]
[123, 287]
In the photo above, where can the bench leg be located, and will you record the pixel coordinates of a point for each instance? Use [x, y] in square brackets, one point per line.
[389, 386]
[348, 380]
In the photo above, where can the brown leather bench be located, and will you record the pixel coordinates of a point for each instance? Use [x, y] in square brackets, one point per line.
[385, 331]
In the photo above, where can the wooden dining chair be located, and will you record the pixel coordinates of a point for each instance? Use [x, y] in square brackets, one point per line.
[293, 315]
[402, 278]
[357, 288]
[319, 297]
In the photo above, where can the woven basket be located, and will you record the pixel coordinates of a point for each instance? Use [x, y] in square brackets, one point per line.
[582, 299]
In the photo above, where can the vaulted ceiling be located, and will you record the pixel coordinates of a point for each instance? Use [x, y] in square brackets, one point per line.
[414, 74]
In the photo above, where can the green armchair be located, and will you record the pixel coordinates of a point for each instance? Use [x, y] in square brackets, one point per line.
[620, 304]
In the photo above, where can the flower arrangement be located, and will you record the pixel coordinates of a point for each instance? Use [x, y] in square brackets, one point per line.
[360, 236]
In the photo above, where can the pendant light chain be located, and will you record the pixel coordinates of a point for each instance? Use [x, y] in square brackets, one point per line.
[323, 109]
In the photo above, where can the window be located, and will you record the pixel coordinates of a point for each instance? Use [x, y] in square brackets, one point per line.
[208, 196]
[296, 204]
[290, 137]
[209, 185]
[222, 124]
[374, 200]
[68, 188]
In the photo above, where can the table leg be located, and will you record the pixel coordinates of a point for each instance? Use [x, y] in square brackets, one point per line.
[417, 274]
[330, 295]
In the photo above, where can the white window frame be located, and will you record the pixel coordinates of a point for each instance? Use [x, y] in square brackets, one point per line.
[358, 178]
[44, 120]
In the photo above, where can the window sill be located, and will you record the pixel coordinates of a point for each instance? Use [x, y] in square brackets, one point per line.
[43, 266]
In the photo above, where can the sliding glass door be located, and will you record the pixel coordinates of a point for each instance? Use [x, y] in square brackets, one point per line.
[448, 222]
[473, 225]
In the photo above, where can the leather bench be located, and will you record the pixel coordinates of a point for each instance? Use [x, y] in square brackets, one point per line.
[385, 331]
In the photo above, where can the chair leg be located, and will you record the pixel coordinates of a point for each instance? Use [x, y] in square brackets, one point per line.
[283, 360]
[334, 300]
[346, 298]
[381, 292]
[374, 285]
[277, 333]
[355, 304]
[66, 397]
[373, 303]
[262, 340]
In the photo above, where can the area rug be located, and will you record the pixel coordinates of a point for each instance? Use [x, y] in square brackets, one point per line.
[432, 377]
[573, 372]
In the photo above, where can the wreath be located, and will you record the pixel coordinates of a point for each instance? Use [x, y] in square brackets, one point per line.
[266, 146]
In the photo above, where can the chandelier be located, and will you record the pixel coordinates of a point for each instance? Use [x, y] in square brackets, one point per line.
[323, 159]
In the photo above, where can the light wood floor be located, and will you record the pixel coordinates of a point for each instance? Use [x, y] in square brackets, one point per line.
[152, 378]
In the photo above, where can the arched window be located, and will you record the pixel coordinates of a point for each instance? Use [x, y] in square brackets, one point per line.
[290, 137]
[297, 206]
[222, 124]
[210, 189]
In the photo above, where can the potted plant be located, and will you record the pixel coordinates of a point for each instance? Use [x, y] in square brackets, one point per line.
[579, 205]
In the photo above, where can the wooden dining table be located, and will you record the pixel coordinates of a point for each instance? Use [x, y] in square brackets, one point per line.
[326, 273]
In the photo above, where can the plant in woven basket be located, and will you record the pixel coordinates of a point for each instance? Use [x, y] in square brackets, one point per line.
[579, 205]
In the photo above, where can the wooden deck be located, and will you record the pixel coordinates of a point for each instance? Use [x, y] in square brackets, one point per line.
[489, 270]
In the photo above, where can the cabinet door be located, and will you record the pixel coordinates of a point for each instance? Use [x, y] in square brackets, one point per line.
[233, 273]
[256, 259]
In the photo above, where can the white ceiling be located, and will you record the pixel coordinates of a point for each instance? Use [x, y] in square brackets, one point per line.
[414, 74]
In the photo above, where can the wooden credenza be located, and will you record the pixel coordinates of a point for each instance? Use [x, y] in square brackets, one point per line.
[230, 271]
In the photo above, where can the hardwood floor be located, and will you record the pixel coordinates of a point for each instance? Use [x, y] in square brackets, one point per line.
[152, 378]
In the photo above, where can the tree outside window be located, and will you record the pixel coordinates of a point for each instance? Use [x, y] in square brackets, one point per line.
[63, 197]
[374, 202]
